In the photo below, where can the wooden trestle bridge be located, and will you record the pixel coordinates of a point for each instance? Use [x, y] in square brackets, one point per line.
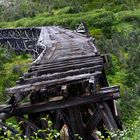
[66, 81]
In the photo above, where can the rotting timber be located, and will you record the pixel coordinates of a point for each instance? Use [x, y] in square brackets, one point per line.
[66, 82]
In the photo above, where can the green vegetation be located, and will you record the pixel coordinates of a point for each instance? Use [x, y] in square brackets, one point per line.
[125, 71]
[11, 67]
[114, 24]
[50, 132]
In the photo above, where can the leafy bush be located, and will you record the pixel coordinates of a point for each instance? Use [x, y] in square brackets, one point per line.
[97, 33]
[51, 134]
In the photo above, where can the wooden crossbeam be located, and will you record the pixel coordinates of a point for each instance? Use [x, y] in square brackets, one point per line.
[64, 63]
[104, 114]
[71, 102]
[104, 94]
[69, 59]
[67, 121]
[65, 68]
[20, 33]
[51, 83]
[24, 80]
[107, 117]
[93, 122]
[32, 126]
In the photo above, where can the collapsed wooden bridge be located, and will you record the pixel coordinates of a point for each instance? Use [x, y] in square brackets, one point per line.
[66, 81]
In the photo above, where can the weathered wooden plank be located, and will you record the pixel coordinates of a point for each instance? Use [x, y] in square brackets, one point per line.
[50, 83]
[92, 123]
[61, 39]
[64, 63]
[33, 127]
[68, 59]
[71, 102]
[62, 69]
[76, 121]
[105, 94]
[60, 75]
[68, 123]
[107, 117]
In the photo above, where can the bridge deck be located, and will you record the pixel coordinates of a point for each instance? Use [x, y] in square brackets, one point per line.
[62, 43]
[65, 55]
[66, 81]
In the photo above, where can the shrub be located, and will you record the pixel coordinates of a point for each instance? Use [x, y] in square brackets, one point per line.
[97, 33]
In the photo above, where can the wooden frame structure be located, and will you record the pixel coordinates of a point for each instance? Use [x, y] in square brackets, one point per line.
[66, 81]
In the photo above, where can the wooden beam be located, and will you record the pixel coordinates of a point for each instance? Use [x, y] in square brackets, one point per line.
[32, 127]
[67, 103]
[107, 117]
[92, 123]
[51, 83]
[70, 59]
[61, 63]
[60, 75]
[62, 69]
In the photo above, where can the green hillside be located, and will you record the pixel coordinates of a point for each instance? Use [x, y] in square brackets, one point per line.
[116, 26]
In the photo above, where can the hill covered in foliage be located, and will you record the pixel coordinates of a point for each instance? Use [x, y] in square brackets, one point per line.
[114, 24]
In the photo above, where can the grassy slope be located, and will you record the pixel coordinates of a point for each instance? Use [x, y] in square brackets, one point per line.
[95, 18]
[102, 21]
[11, 67]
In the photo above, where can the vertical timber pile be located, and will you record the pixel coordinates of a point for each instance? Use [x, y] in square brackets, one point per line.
[66, 82]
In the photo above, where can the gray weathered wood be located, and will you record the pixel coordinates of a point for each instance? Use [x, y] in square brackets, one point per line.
[50, 83]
